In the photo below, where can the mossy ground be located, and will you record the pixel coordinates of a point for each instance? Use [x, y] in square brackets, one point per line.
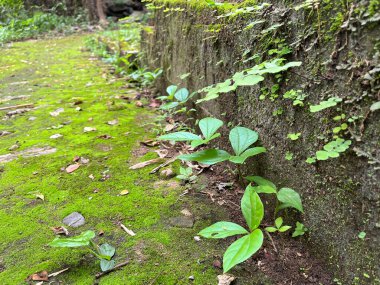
[55, 73]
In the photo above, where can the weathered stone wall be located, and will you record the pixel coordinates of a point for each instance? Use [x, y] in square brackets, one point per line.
[339, 47]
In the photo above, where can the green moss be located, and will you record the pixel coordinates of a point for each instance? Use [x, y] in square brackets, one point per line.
[53, 73]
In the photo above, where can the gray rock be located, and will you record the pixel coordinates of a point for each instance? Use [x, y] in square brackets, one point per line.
[182, 222]
[74, 220]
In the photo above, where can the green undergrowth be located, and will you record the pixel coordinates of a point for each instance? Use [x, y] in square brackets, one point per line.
[56, 73]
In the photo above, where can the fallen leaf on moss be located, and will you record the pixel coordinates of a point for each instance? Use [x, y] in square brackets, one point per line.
[71, 168]
[124, 192]
[60, 231]
[146, 163]
[169, 127]
[113, 122]
[150, 143]
[89, 129]
[39, 276]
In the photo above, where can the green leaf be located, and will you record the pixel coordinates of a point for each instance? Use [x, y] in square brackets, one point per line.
[179, 136]
[274, 67]
[182, 94]
[241, 138]
[264, 189]
[310, 160]
[208, 156]
[278, 222]
[107, 250]
[252, 208]
[331, 102]
[81, 240]
[284, 229]
[169, 106]
[300, 230]
[107, 264]
[248, 153]
[290, 198]
[322, 155]
[294, 136]
[362, 235]
[209, 126]
[375, 106]
[242, 249]
[171, 90]
[271, 229]
[261, 181]
[242, 79]
[222, 230]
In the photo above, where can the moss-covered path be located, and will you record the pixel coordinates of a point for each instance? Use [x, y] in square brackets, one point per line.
[54, 74]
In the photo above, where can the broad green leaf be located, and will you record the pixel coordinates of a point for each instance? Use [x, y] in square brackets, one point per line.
[284, 229]
[299, 230]
[169, 106]
[222, 230]
[199, 142]
[179, 136]
[248, 153]
[263, 189]
[81, 240]
[107, 250]
[107, 264]
[242, 249]
[271, 229]
[182, 94]
[171, 90]
[241, 138]
[290, 198]
[261, 181]
[375, 106]
[209, 126]
[278, 222]
[208, 156]
[331, 102]
[242, 79]
[252, 208]
[275, 67]
[322, 155]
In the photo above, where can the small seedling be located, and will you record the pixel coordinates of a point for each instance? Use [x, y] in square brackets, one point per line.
[104, 252]
[278, 227]
[294, 136]
[300, 230]
[186, 174]
[331, 102]
[208, 127]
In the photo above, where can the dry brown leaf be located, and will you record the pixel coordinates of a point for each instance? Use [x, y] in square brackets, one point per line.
[225, 279]
[146, 163]
[124, 192]
[162, 153]
[150, 143]
[139, 104]
[89, 129]
[39, 276]
[113, 122]
[105, 137]
[169, 127]
[60, 231]
[71, 168]
[154, 103]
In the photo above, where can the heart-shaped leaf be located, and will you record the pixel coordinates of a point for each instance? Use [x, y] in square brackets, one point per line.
[179, 136]
[252, 208]
[81, 240]
[182, 94]
[261, 181]
[289, 198]
[222, 230]
[208, 156]
[107, 250]
[248, 153]
[209, 126]
[171, 91]
[107, 264]
[241, 138]
[242, 249]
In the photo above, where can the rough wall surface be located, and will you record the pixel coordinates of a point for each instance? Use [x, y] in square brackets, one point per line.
[339, 46]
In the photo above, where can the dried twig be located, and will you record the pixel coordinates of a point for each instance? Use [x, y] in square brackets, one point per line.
[163, 165]
[271, 239]
[58, 272]
[17, 107]
[128, 231]
[101, 274]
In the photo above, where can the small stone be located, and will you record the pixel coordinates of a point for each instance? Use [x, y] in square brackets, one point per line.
[84, 160]
[56, 136]
[167, 173]
[89, 129]
[186, 213]
[191, 278]
[14, 147]
[197, 238]
[225, 279]
[78, 109]
[32, 118]
[75, 220]
[182, 222]
[217, 263]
